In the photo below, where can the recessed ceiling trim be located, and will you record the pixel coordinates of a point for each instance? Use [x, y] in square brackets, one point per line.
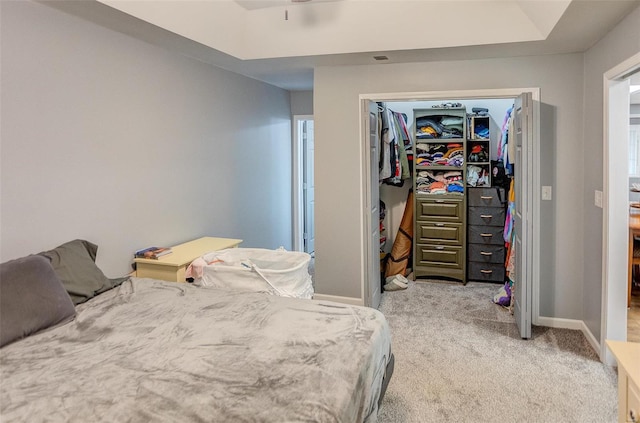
[544, 14]
[254, 29]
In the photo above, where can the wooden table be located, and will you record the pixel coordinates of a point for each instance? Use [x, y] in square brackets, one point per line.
[634, 230]
[172, 267]
[627, 355]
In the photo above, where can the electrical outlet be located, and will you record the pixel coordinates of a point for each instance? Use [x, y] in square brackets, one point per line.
[546, 192]
[598, 199]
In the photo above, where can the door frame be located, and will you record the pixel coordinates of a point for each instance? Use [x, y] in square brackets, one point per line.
[614, 227]
[298, 177]
[533, 209]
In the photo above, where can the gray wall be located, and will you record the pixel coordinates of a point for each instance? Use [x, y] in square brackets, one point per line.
[338, 174]
[301, 102]
[617, 46]
[111, 139]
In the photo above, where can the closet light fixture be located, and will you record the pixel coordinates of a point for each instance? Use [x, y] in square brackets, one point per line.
[634, 89]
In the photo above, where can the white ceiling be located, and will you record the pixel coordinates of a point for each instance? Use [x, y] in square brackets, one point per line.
[253, 38]
[293, 29]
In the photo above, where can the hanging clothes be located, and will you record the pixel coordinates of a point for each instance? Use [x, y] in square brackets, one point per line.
[505, 297]
[401, 146]
[385, 145]
[506, 150]
[509, 221]
[511, 148]
[394, 166]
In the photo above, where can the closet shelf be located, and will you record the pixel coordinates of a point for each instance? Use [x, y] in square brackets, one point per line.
[438, 167]
[439, 140]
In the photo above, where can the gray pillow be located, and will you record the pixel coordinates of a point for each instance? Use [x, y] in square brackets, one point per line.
[32, 298]
[74, 263]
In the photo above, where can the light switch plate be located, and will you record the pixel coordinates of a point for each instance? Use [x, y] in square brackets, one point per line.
[546, 192]
[598, 199]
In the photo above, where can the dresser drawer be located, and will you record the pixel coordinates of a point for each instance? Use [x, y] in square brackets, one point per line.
[488, 216]
[440, 255]
[486, 253]
[489, 272]
[438, 232]
[486, 197]
[449, 210]
[486, 235]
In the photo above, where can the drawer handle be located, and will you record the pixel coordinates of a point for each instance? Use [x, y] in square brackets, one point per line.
[488, 272]
[439, 201]
[486, 235]
[439, 224]
[486, 216]
[486, 197]
[439, 248]
[484, 253]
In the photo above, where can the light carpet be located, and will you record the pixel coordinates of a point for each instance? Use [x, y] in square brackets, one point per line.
[459, 358]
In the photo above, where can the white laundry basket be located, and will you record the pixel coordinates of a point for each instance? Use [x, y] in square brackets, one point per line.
[281, 272]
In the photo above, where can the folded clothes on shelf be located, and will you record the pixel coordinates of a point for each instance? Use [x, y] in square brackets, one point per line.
[443, 182]
[429, 127]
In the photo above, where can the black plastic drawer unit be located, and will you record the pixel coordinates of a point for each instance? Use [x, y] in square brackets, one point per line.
[485, 240]
[487, 197]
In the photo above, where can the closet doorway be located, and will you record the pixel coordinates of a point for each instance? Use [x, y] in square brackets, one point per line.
[303, 184]
[529, 184]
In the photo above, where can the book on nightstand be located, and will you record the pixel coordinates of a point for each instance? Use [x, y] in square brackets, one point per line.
[152, 252]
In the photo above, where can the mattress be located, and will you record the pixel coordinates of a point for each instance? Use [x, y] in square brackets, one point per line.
[168, 352]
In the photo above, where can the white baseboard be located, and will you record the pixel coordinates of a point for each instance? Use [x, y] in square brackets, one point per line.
[554, 322]
[338, 299]
[595, 344]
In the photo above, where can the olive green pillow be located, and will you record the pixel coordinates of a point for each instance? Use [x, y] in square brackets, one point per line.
[74, 263]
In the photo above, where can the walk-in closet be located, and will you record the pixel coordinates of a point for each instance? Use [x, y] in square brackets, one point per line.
[445, 170]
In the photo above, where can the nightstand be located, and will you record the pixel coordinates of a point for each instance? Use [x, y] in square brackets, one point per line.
[628, 356]
[172, 267]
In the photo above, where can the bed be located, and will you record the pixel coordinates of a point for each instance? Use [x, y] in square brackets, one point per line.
[149, 350]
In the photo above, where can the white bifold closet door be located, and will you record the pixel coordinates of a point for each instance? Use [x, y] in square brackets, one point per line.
[373, 288]
[523, 136]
